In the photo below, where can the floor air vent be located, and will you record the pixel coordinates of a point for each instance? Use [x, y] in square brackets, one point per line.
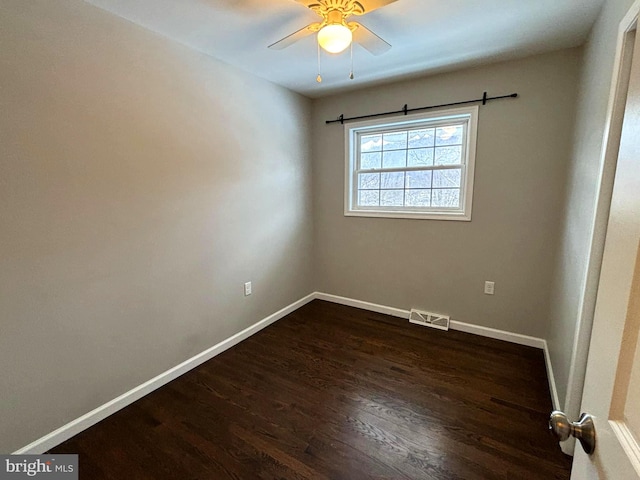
[428, 319]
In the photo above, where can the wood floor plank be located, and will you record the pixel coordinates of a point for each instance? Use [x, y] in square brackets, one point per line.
[334, 392]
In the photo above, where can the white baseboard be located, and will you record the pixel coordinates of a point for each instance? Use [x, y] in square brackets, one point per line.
[454, 324]
[89, 419]
[372, 307]
[552, 379]
[462, 327]
[498, 334]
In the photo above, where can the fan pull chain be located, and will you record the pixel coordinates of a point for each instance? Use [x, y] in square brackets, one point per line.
[351, 76]
[319, 77]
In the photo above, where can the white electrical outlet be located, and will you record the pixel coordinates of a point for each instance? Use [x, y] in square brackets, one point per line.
[247, 289]
[489, 288]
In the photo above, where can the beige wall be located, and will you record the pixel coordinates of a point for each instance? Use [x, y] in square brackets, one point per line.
[522, 153]
[141, 184]
[575, 279]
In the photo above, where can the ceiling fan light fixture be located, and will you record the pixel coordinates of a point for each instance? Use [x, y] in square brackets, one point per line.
[335, 38]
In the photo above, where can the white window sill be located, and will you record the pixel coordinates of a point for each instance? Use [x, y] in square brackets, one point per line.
[460, 216]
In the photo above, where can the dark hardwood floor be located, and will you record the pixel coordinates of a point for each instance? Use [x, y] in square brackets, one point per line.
[333, 392]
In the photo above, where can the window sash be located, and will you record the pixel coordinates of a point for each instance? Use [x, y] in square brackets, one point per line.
[416, 191]
[412, 169]
[391, 208]
[423, 125]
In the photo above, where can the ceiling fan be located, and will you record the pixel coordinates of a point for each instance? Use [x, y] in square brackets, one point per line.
[335, 33]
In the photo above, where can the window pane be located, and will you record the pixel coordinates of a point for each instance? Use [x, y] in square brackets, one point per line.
[447, 178]
[392, 180]
[421, 138]
[448, 155]
[450, 135]
[369, 198]
[392, 198]
[369, 181]
[371, 143]
[446, 198]
[394, 141]
[420, 157]
[418, 198]
[418, 179]
[370, 160]
[394, 159]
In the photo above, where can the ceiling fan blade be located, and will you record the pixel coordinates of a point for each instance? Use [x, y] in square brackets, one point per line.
[369, 40]
[371, 5]
[295, 36]
[367, 5]
[308, 3]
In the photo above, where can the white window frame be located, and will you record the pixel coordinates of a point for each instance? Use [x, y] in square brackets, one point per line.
[352, 146]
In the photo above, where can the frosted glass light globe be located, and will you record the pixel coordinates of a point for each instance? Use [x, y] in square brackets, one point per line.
[335, 38]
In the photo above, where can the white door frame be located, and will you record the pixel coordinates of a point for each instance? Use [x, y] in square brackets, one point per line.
[609, 157]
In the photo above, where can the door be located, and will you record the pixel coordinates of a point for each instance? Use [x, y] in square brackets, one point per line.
[612, 384]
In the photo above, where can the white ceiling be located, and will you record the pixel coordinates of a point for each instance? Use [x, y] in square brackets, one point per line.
[427, 35]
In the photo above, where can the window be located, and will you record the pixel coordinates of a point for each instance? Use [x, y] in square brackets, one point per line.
[416, 166]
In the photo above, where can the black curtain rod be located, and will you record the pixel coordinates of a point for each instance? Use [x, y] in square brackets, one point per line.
[341, 119]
